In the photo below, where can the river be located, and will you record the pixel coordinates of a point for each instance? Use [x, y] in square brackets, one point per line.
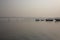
[29, 30]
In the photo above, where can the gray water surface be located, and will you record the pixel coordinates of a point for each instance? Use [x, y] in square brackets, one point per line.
[29, 30]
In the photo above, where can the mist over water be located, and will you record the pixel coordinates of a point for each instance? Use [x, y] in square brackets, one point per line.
[29, 30]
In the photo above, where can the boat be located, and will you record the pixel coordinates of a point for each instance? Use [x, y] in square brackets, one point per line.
[57, 19]
[49, 19]
[37, 19]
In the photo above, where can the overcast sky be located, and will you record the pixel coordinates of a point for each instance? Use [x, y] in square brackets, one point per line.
[29, 8]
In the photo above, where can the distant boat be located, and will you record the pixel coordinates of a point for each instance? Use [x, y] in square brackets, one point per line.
[42, 19]
[57, 19]
[37, 19]
[49, 19]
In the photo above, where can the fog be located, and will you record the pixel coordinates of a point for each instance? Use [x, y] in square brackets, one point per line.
[30, 8]
[29, 29]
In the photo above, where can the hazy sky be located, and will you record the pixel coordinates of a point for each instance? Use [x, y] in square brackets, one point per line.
[30, 8]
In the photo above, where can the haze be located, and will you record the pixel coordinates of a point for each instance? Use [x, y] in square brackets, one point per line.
[30, 8]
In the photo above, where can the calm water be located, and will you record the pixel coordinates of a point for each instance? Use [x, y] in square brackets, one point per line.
[29, 30]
